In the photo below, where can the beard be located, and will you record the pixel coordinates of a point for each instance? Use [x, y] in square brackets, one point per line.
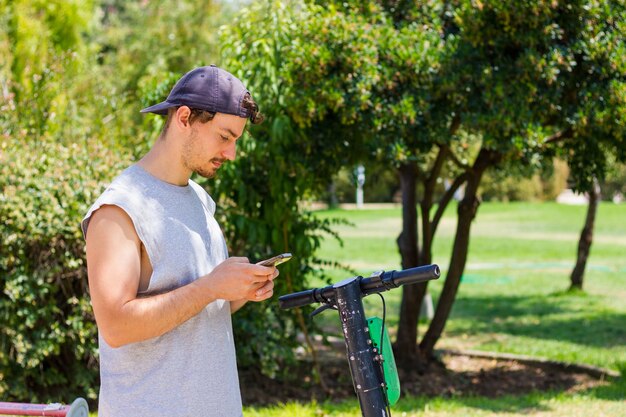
[193, 162]
[208, 172]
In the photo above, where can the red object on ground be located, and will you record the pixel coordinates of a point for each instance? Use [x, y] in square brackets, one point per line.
[45, 410]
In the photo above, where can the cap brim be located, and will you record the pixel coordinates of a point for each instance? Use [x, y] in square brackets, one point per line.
[160, 108]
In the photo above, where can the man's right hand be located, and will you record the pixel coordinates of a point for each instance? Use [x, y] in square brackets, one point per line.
[237, 279]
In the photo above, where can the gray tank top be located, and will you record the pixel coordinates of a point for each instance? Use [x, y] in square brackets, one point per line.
[191, 370]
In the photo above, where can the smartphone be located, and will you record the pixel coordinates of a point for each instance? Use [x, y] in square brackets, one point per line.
[276, 260]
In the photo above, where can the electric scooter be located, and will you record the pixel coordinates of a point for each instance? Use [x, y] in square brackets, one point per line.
[368, 349]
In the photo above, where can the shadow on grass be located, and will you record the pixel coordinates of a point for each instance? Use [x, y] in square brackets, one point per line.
[615, 390]
[531, 402]
[536, 397]
[556, 317]
[481, 383]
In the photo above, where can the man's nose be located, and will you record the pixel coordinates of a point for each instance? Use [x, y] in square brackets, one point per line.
[230, 152]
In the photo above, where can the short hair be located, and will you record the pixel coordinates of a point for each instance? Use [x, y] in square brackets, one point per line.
[249, 104]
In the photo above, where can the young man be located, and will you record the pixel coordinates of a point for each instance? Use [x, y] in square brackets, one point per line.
[162, 286]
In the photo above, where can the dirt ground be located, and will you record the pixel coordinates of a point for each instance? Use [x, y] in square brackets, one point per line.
[461, 376]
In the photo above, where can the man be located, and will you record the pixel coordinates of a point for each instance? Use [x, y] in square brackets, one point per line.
[162, 286]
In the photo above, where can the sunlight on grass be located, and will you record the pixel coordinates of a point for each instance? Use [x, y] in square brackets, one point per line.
[512, 299]
[603, 401]
[512, 296]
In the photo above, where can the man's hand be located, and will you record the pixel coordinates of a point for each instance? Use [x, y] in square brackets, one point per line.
[240, 286]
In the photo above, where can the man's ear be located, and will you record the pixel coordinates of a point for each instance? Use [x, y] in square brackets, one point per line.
[181, 118]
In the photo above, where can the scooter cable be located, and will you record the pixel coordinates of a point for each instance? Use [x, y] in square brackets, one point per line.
[382, 334]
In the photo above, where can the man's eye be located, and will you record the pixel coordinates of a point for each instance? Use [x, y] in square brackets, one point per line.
[225, 138]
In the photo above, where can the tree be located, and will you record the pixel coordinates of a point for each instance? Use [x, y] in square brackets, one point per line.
[595, 112]
[525, 64]
[288, 157]
[143, 47]
[500, 87]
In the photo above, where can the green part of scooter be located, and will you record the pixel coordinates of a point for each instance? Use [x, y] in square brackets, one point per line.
[392, 382]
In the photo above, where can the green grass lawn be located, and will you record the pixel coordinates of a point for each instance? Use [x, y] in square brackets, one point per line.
[599, 402]
[512, 296]
[512, 299]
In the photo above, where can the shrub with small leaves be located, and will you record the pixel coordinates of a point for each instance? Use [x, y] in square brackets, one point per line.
[48, 337]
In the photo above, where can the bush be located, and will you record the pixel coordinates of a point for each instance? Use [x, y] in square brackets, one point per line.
[503, 185]
[614, 185]
[496, 187]
[48, 340]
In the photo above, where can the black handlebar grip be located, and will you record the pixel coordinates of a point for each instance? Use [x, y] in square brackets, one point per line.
[414, 275]
[296, 299]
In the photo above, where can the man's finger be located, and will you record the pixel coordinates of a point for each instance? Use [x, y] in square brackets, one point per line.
[264, 272]
[238, 259]
[265, 289]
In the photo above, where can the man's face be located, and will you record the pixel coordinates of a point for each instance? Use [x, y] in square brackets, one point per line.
[211, 144]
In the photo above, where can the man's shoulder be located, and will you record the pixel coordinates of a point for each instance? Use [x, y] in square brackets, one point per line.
[203, 195]
[122, 194]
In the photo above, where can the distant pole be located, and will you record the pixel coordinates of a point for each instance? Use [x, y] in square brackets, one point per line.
[360, 180]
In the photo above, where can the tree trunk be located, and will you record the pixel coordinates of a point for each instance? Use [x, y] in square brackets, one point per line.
[333, 201]
[466, 212]
[426, 254]
[586, 238]
[405, 348]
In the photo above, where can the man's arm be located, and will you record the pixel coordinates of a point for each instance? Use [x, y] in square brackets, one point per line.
[114, 266]
[236, 305]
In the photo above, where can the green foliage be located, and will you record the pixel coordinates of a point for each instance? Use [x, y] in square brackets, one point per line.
[502, 187]
[42, 49]
[260, 193]
[510, 183]
[596, 107]
[467, 85]
[143, 47]
[615, 182]
[451, 79]
[48, 337]
[409, 116]
[335, 55]
[52, 165]
[40, 30]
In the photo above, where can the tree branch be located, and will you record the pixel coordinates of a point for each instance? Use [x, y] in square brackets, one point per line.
[445, 200]
[456, 123]
[429, 184]
[457, 162]
[559, 136]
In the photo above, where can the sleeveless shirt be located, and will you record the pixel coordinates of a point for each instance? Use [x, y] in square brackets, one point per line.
[191, 370]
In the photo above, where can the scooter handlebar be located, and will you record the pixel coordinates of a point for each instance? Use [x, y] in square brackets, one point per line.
[413, 275]
[374, 284]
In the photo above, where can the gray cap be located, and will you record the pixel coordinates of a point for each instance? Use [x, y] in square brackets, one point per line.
[207, 88]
